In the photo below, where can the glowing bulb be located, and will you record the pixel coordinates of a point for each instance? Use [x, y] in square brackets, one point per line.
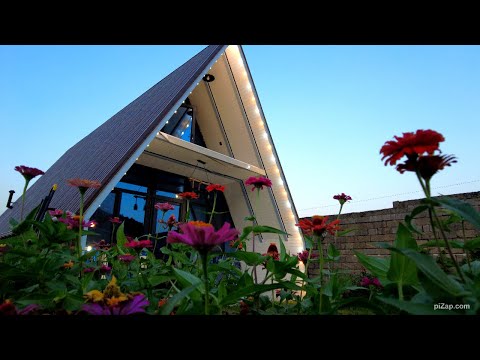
[183, 102]
[188, 125]
[269, 147]
[175, 112]
[88, 248]
[257, 111]
[273, 158]
[288, 204]
[136, 159]
[248, 167]
[176, 196]
[261, 122]
[183, 132]
[148, 145]
[249, 87]
[253, 98]
[281, 182]
[167, 122]
[244, 73]
[265, 135]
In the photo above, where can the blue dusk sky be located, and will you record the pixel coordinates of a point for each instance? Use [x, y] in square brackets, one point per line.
[329, 110]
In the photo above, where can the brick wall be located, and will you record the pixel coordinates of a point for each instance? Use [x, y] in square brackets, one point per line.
[381, 226]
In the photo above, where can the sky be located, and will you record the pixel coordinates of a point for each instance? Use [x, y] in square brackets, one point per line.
[329, 110]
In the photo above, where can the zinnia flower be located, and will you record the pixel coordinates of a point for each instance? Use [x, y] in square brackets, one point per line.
[164, 206]
[411, 144]
[118, 306]
[202, 236]
[365, 281]
[84, 184]
[215, 187]
[233, 244]
[28, 173]
[427, 165]
[55, 213]
[127, 258]
[115, 220]
[8, 308]
[342, 198]
[258, 182]
[105, 269]
[88, 270]
[303, 256]
[135, 244]
[68, 265]
[318, 225]
[189, 195]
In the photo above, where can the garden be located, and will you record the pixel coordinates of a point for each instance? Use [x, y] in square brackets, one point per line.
[45, 270]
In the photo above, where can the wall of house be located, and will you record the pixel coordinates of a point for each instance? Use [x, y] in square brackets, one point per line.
[381, 225]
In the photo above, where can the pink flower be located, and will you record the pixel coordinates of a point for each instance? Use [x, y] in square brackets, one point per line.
[258, 182]
[28, 172]
[127, 258]
[303, 256]
[135, 244]
[88, 270]
[377, 283]
[164, 206]
[202, 236]
[115, 220]
[215, 187]
[342, 198]
[55, 213]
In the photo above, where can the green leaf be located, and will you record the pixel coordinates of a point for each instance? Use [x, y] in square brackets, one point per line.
[263, 229]
[250, 258]
[332, 252]
[25, 224]
[121, 238]
[308, 242]
[473, 269]
[72, 302]
[155, 280]
[250, 218]
[377, 266]
[408, 218]
[427, 265]
[402, 269]
[188, 279]
[473, 244]
[175, 299]
[453, 243]
[248, 290]
[246, 231]
[344, 232]
[462, 208]
[283, 250]
[415, 308]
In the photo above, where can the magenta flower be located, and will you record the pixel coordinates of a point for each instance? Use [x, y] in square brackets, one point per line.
[342, 198]
[135, 244]
[127, 258]
[88, 270]
[258, 182]
[115, 220]
[202, 236]
[164, 206]
[8, 308]
[376, 283]
[135, 305]
[365, 281]
[28, 173]
[105, 269]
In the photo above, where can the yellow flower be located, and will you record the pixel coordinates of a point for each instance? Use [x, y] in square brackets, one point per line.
[114, 301]
[94, 295]
[112, 290]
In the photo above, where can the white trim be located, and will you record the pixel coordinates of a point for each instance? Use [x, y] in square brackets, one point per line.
[128, 164]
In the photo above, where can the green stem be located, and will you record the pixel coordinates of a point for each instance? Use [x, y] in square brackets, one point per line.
[187, 216]
[23, 199]
[273, 293]
[447, 243]
[113, 232]
[253, 234]
[436, 237]
[400, 291]
[306, 268]
[205, 274]
[214, 204]
[320, 261]
[80, 228]
[466, 251]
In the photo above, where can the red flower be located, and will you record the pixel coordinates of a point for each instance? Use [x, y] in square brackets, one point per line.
[28, 172]
[318, 225]
[189, 195]
[411, 144]
[427, 165]
[202, 236]
[216, 187]
[84, 184]
[258, 182]
[164, 206]
[303, 256]
[342, 198]
[115, 220]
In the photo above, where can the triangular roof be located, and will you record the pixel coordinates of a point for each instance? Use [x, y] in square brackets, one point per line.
[104, 152]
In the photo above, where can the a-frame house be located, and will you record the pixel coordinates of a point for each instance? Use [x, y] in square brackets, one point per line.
[201, 124]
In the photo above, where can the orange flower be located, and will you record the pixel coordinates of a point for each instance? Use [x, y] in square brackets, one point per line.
[217, 187]
[68, 265]
[84, 184]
